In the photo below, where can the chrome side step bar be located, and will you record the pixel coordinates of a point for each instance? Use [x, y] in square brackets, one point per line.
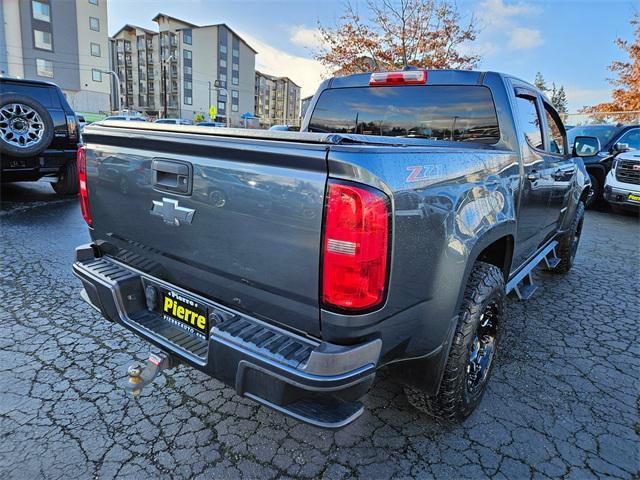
[522, 283]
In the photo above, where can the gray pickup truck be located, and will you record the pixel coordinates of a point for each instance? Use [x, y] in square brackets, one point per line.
[293, 265]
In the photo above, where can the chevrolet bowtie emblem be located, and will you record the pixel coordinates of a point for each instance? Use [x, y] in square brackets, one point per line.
[171, 213]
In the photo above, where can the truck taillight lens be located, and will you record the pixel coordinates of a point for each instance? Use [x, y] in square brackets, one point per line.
[408, 77]
[355, 247]
[82, 184]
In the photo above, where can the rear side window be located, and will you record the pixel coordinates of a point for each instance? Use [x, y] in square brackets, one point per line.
[529, 120]
[41, 94]
[435, 112]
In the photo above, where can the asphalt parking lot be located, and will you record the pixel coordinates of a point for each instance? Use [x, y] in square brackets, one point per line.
[563, 401]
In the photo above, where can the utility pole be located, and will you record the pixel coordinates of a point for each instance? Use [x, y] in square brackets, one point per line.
[209, 106]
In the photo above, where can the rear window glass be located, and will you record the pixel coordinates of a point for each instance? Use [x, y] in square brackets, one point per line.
[41, 94]
[457, 113]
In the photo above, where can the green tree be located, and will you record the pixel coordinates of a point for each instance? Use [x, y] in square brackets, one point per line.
[559, 99]
[540, 82]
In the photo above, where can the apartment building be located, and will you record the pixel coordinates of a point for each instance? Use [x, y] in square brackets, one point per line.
[277, 100]
[187, 67]
[64, 42]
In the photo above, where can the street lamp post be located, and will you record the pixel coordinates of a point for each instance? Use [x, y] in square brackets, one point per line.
[115, 76]
[164, 81]
[216, 85]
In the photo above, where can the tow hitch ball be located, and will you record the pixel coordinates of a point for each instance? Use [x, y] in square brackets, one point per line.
[138, 378]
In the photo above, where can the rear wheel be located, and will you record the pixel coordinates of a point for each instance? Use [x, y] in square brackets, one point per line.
[568, 243]
[472, 352]
[67, 183]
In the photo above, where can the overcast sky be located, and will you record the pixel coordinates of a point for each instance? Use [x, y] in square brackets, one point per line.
[569, 41]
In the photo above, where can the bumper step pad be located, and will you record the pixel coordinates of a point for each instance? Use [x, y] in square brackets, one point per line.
[317, 383]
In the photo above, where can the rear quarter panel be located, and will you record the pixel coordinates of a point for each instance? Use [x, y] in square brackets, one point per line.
[445, 201]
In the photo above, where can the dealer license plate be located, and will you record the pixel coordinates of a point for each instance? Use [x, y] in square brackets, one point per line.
[185, 313]
[634, 198]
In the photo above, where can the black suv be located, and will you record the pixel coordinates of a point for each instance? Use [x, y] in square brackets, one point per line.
[614, 139]
[38, 134]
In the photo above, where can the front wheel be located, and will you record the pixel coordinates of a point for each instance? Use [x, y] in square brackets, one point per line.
[595, 192]
[472, 352]
[568, 243]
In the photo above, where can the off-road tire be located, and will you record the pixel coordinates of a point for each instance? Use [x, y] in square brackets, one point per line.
[568, 243]
[67, 183]
[43, 142]
[454, 402]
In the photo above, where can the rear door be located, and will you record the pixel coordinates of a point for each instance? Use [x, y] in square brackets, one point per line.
[533, 214]
[560, 166]
[236, 220]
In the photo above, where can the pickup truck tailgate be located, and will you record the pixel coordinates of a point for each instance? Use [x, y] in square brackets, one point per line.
[237, 220]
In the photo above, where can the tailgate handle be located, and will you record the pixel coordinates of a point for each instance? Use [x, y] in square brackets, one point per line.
[172, 176]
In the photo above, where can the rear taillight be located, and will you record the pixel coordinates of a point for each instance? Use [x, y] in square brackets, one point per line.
[72, 127]
[409, 77]
[355, 247]
[82, 184]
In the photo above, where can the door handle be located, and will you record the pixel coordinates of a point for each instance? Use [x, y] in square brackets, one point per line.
[533, 176]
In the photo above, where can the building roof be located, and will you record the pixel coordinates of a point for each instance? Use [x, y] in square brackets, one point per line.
[192, 25]
[160, 14]
[128, 26]
[275, 77]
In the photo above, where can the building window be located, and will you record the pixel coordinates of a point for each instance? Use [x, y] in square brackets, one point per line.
[188, 70]
[234, 107]
[223, 49]
[186, 36]
[93, 2]
[235, 81]
[235, 53]
[95, 49]
[234, 94]
[223, 77]
[187, 85]
[96, 75]
[41, 11]
[44, 68]
[94, 24]
[222, 107]
[223, 63]
[42, 40]
[188, 100]
[187, 54]
[235, 67]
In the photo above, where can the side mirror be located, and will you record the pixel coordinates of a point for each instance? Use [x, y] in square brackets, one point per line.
[586, 146]
[620, 147]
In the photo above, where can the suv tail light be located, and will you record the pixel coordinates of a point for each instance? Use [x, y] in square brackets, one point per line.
[355, 247]
[72, 127]
[409, 77]
[82, 184]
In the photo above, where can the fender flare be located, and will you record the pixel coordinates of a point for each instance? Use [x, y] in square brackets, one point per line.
[435, 362]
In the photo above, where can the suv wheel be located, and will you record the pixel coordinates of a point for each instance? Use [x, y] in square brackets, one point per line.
[472, 352]
[26, 128]
[568, 243]
[67, 183]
